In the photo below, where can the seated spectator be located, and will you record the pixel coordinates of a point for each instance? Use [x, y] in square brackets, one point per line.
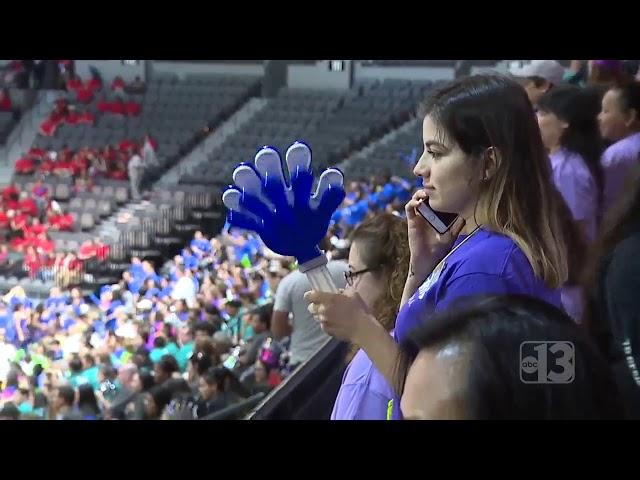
[74, 83]
[118, 84]
[10, 193]
[213, 396]
[119, 172]
[460, 351]
[27, 205]
[25, 166]
[258, 382]
[4, 255]
[125, 146]
[32, 262]
[261, 325]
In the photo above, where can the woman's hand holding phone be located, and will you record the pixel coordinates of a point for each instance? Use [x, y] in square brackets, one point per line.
[427, 246]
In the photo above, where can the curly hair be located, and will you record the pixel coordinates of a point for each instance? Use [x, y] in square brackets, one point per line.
[384, 246]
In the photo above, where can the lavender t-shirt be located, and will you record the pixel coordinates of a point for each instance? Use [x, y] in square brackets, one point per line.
[576, 184]
[488, 263]
[364, 393]
[616, 162]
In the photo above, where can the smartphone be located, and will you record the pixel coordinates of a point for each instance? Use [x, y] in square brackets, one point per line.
[440, 221]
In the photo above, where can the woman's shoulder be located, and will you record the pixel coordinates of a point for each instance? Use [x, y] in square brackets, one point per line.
[628, 147]
[491, 254]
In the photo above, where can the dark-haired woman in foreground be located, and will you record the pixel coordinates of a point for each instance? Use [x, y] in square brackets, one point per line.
[469, 366]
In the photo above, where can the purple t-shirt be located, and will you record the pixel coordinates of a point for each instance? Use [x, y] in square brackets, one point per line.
[616, 162]
[364, 393]
[577, 186]
[574, 181]
[488, 263]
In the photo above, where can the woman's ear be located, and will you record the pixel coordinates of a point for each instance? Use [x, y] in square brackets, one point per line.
[491, 163]
[631, 117]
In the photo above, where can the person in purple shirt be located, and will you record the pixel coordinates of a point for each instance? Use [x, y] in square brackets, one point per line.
[378, 263]
[619, 123]
[567, 117]
[483, 160]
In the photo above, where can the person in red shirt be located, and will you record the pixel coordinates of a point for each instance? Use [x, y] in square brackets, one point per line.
[36, 227]
[60, 112]
[4, 220]
[63, 169]
[102, 249]
[25, 166]
[79, 164]
[59, 221]
[19, 221]
[32, 262]
[43, 244]
[48, 164]
[73, 118]
[74, 84]
[5, 101]
[10, 192]
[4, 255]
[120, 171]
[94, 83]
[126, 146]
[84, 94]
[87, 250]
[28, 205]
[118, 84]
[37, 153]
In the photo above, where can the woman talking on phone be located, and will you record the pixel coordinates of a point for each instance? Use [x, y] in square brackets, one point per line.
[485, 162]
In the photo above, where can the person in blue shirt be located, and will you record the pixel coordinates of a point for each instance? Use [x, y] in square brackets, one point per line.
[200, 245]
[189, 260]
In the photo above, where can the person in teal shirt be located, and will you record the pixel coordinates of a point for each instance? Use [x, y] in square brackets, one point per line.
[185, 339]
[76, 375]
[91, 371]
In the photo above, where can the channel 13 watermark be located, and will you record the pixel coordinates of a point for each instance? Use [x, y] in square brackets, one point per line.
[547, 362]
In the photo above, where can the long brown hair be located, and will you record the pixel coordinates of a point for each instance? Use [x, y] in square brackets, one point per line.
[384, 246]
[492, 113]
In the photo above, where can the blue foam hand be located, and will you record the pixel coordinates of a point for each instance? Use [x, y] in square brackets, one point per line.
[290, 219]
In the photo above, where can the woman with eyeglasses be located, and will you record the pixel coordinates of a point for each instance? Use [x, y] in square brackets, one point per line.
[378, 265]
[484, 161]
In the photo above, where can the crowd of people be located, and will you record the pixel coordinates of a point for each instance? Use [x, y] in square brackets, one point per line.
[543, 173]
[209, 328]
[25, 220]
[87, 165]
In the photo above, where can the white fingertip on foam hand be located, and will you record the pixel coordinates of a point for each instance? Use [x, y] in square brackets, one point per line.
[330, 178]
[298, 158]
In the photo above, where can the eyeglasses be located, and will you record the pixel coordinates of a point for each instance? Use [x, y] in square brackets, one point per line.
[351, 276]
